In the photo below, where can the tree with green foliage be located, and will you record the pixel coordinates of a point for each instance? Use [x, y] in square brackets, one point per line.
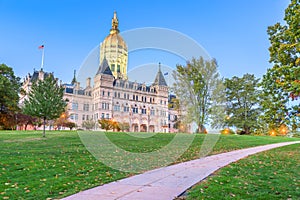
[281, 83]
[274, 102]
[243, 102]
[88, 124]
[45, 100]
[10, 86]
[123, 126]
[70, 125]
[195, 86]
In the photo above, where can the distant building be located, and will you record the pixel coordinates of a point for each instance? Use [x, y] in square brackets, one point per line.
[29, 79]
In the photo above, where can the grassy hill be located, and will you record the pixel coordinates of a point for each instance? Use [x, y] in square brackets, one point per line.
[32, 167]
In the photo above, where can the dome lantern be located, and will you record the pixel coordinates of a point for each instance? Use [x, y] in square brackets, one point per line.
[114, 24]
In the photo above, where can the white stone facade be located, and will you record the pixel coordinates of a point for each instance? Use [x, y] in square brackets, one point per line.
[144, 108]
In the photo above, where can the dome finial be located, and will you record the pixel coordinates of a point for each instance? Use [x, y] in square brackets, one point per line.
[114, 24]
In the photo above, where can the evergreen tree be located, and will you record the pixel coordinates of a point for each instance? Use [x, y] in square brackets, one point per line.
[45, 100]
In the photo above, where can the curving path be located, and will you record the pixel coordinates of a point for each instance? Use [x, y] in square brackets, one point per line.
[166, 183]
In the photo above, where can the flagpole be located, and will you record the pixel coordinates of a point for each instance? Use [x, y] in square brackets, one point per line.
[43, 54]
[169, 84]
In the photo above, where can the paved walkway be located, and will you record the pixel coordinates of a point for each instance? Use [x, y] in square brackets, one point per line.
[168, 182]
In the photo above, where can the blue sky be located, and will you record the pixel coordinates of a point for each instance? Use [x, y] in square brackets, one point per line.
[232, 31]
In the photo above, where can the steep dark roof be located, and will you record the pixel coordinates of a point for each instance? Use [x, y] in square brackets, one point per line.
[160, 79]
[130, 85]
[35, 76]
[104, 68]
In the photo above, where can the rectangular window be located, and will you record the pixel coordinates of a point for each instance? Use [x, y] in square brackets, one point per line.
[72, 116]
[126, 109]
[86, 107]
[102, 115]
[135, 110]
[118, 70]
[87, 117]
[113, 67]
[107, 116]
[108, 94]
[144, 111]
[103, 93]
[74, 106]
[152, 112]
[83, 117]
[96, 106]
[116, 107]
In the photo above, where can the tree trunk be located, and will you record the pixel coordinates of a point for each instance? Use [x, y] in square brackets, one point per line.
[201, 128]
[44, 127]
[247, 130]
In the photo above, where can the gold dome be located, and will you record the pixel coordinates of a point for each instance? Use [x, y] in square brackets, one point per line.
[114, 40]
[114, 49]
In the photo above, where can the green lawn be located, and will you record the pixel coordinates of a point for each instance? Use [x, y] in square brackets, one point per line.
[32, 167]
[273, 174]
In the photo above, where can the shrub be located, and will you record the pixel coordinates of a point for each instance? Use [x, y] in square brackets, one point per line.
[227, 131]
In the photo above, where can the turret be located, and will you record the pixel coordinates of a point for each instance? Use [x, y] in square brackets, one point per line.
[160, 79]
[74, 78]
